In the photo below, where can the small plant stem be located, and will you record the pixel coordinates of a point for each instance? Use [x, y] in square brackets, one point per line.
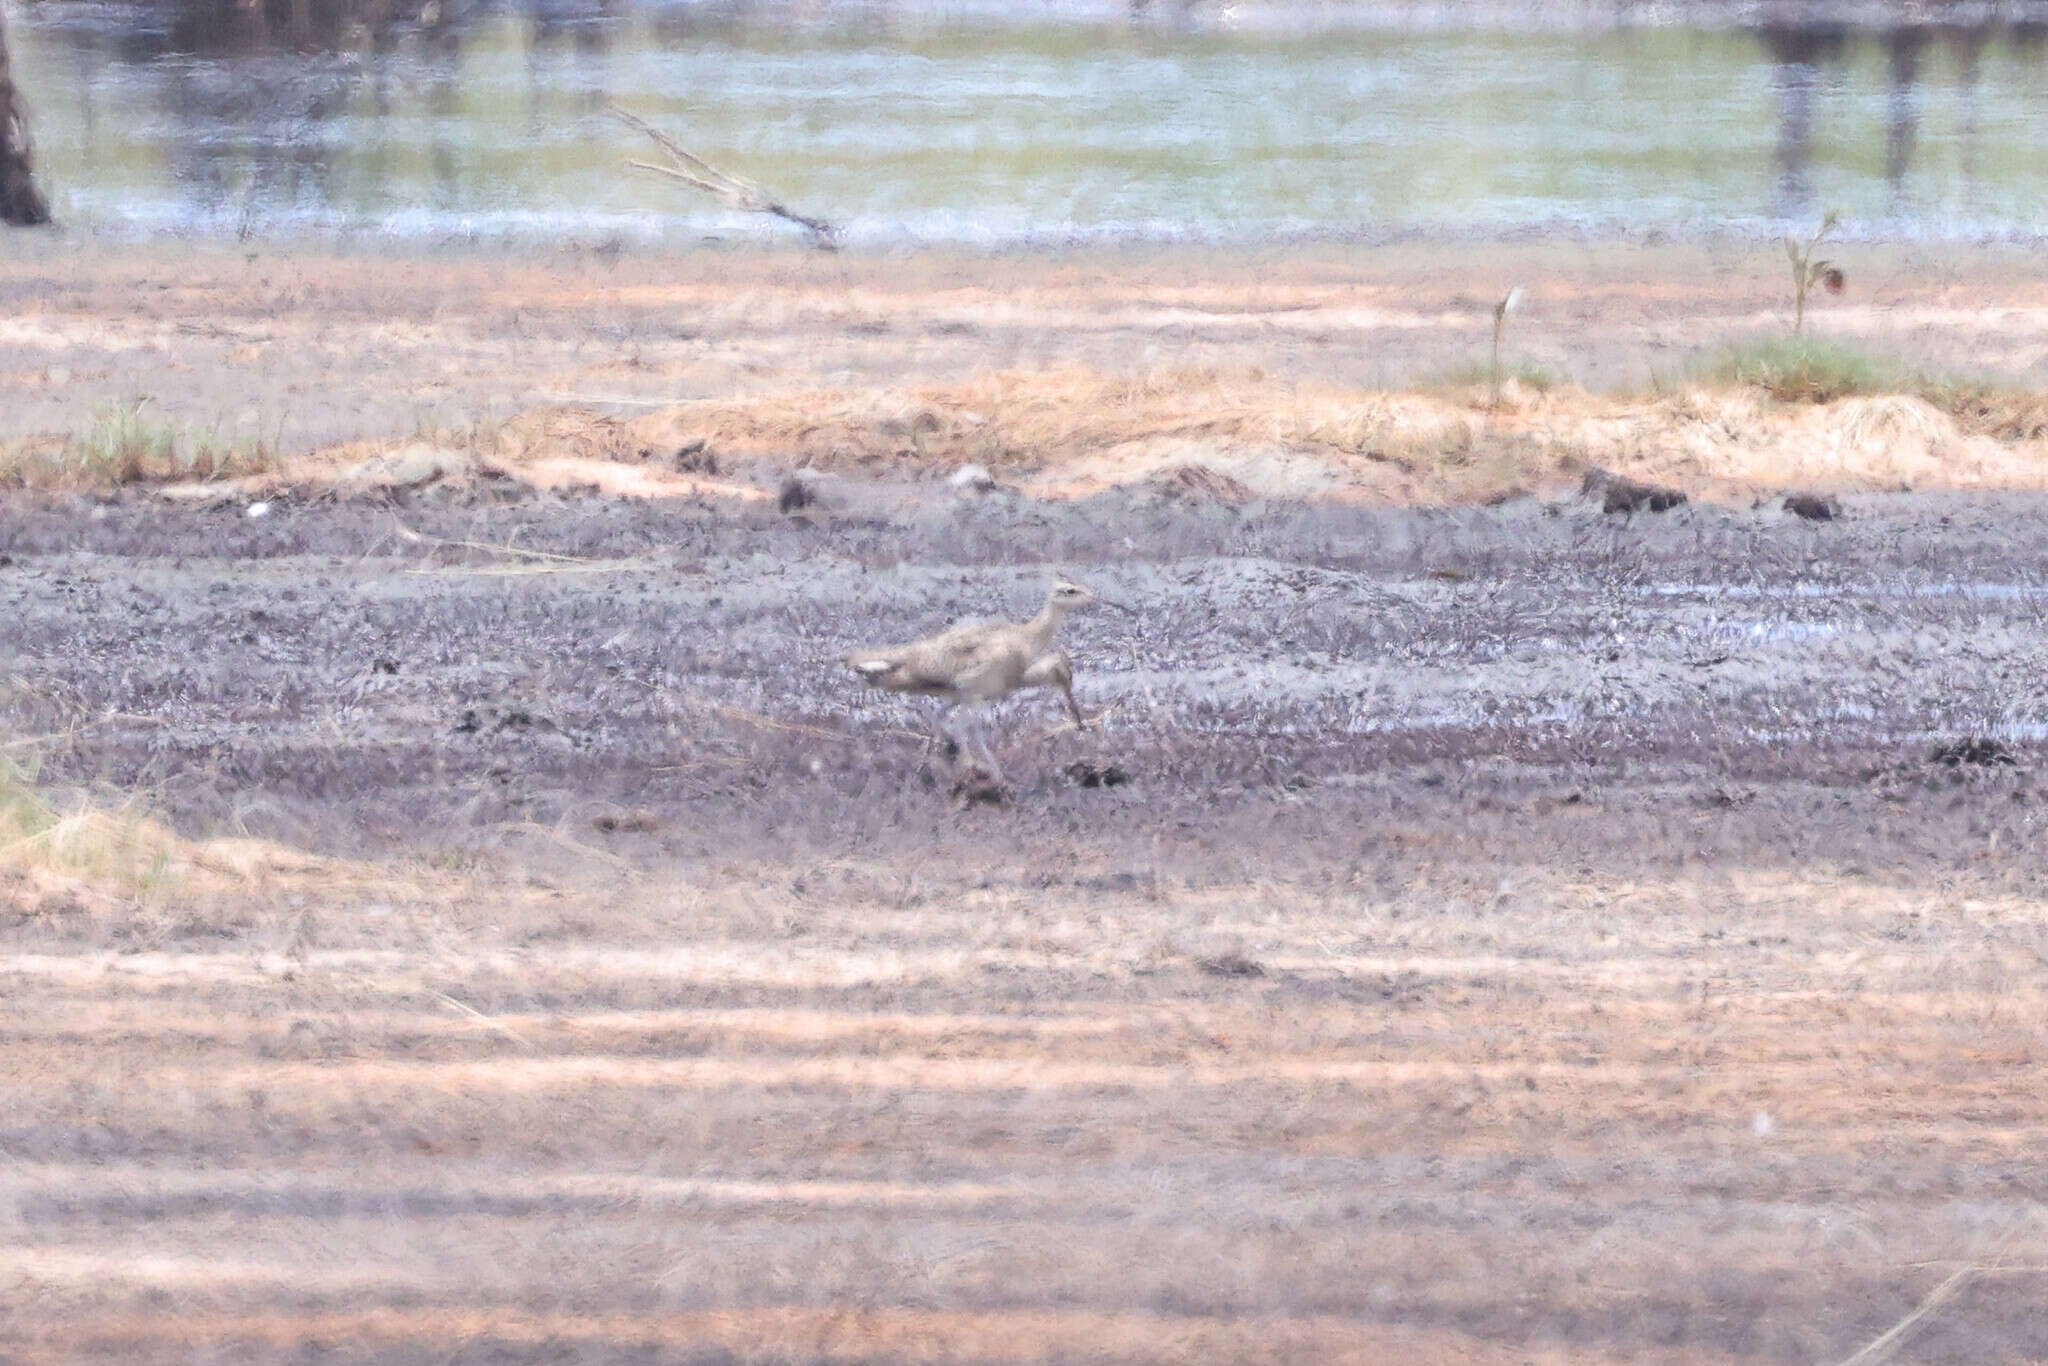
[1500, 324]
[1500, 320]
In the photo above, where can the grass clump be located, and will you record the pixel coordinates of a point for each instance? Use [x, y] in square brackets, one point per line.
[2004, 411]
[118, 849]
[122, 446]
[24, 815]
[124, 443]
[1809, 370]
[1815, 370]
[1477, 376]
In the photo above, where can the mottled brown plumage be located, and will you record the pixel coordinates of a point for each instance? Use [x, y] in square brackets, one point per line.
[983, 662]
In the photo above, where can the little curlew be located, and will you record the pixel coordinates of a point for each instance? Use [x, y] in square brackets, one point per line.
[979, 663]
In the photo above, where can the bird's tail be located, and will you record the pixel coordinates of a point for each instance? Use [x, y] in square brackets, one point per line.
[867, 664]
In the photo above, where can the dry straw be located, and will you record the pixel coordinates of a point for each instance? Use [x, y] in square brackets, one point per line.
[690, 169]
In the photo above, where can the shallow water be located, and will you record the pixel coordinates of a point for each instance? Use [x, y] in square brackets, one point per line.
[909, 124]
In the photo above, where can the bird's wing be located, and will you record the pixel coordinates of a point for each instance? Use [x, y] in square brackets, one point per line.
[918, 663]
[1054, 670]
[948, 639]
[955, 658]
[961, 635]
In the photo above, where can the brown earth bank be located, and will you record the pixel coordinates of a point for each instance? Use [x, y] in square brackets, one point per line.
[1315, 372]
[1520, 933]
[450, 912]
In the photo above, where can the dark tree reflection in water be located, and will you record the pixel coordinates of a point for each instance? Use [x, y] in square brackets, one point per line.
[1798, 51]
[1903, 46]
[908, 121]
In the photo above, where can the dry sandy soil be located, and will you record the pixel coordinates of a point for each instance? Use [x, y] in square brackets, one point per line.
[495, 931]
[1322, 373]
[317, 347]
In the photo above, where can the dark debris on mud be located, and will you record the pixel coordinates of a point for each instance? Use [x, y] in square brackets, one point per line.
[1231, 964]
[1197, 483]
[1620, 494]
[795, 495]
[980, 789]
[1813, 507]
[1977, 752]
[1089, 773]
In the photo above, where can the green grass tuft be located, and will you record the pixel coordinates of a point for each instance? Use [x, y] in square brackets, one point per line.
[1809, 370]
[1815, 370]
[121, 446]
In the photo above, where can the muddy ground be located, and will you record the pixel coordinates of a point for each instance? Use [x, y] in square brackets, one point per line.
[1522, 934]
[354, 675]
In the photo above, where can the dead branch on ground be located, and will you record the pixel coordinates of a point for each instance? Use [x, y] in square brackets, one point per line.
[698, 174]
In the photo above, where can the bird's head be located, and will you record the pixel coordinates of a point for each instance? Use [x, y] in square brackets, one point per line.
[1068, 596]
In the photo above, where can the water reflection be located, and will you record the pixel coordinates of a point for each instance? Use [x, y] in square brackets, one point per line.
[1150, 112]
[1903, 47]
[1808, 59]
[1798, 54]
[568, 42]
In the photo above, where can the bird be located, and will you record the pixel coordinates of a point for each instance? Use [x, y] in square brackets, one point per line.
[979, 663]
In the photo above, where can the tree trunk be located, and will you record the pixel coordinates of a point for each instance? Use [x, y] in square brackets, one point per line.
[20, 202]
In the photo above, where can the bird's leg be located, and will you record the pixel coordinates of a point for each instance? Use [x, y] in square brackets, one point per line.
[979, 733]
[995, 769]
[941, 738]
[1073, 707]
[1057, 671]
[952, 735]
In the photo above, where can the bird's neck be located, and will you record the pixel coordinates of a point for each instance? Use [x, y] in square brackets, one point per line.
[1045, 626]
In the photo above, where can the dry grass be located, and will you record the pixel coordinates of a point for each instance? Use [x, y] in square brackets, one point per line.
[1074, 432]
[1820, 370]
[1062, 433]
[111, 859]
[993, 1123]
[2004, 411]
[1037, 422]
[116, 849]
[127, 444]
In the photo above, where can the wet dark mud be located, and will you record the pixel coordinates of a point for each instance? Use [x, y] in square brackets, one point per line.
[431, 673]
